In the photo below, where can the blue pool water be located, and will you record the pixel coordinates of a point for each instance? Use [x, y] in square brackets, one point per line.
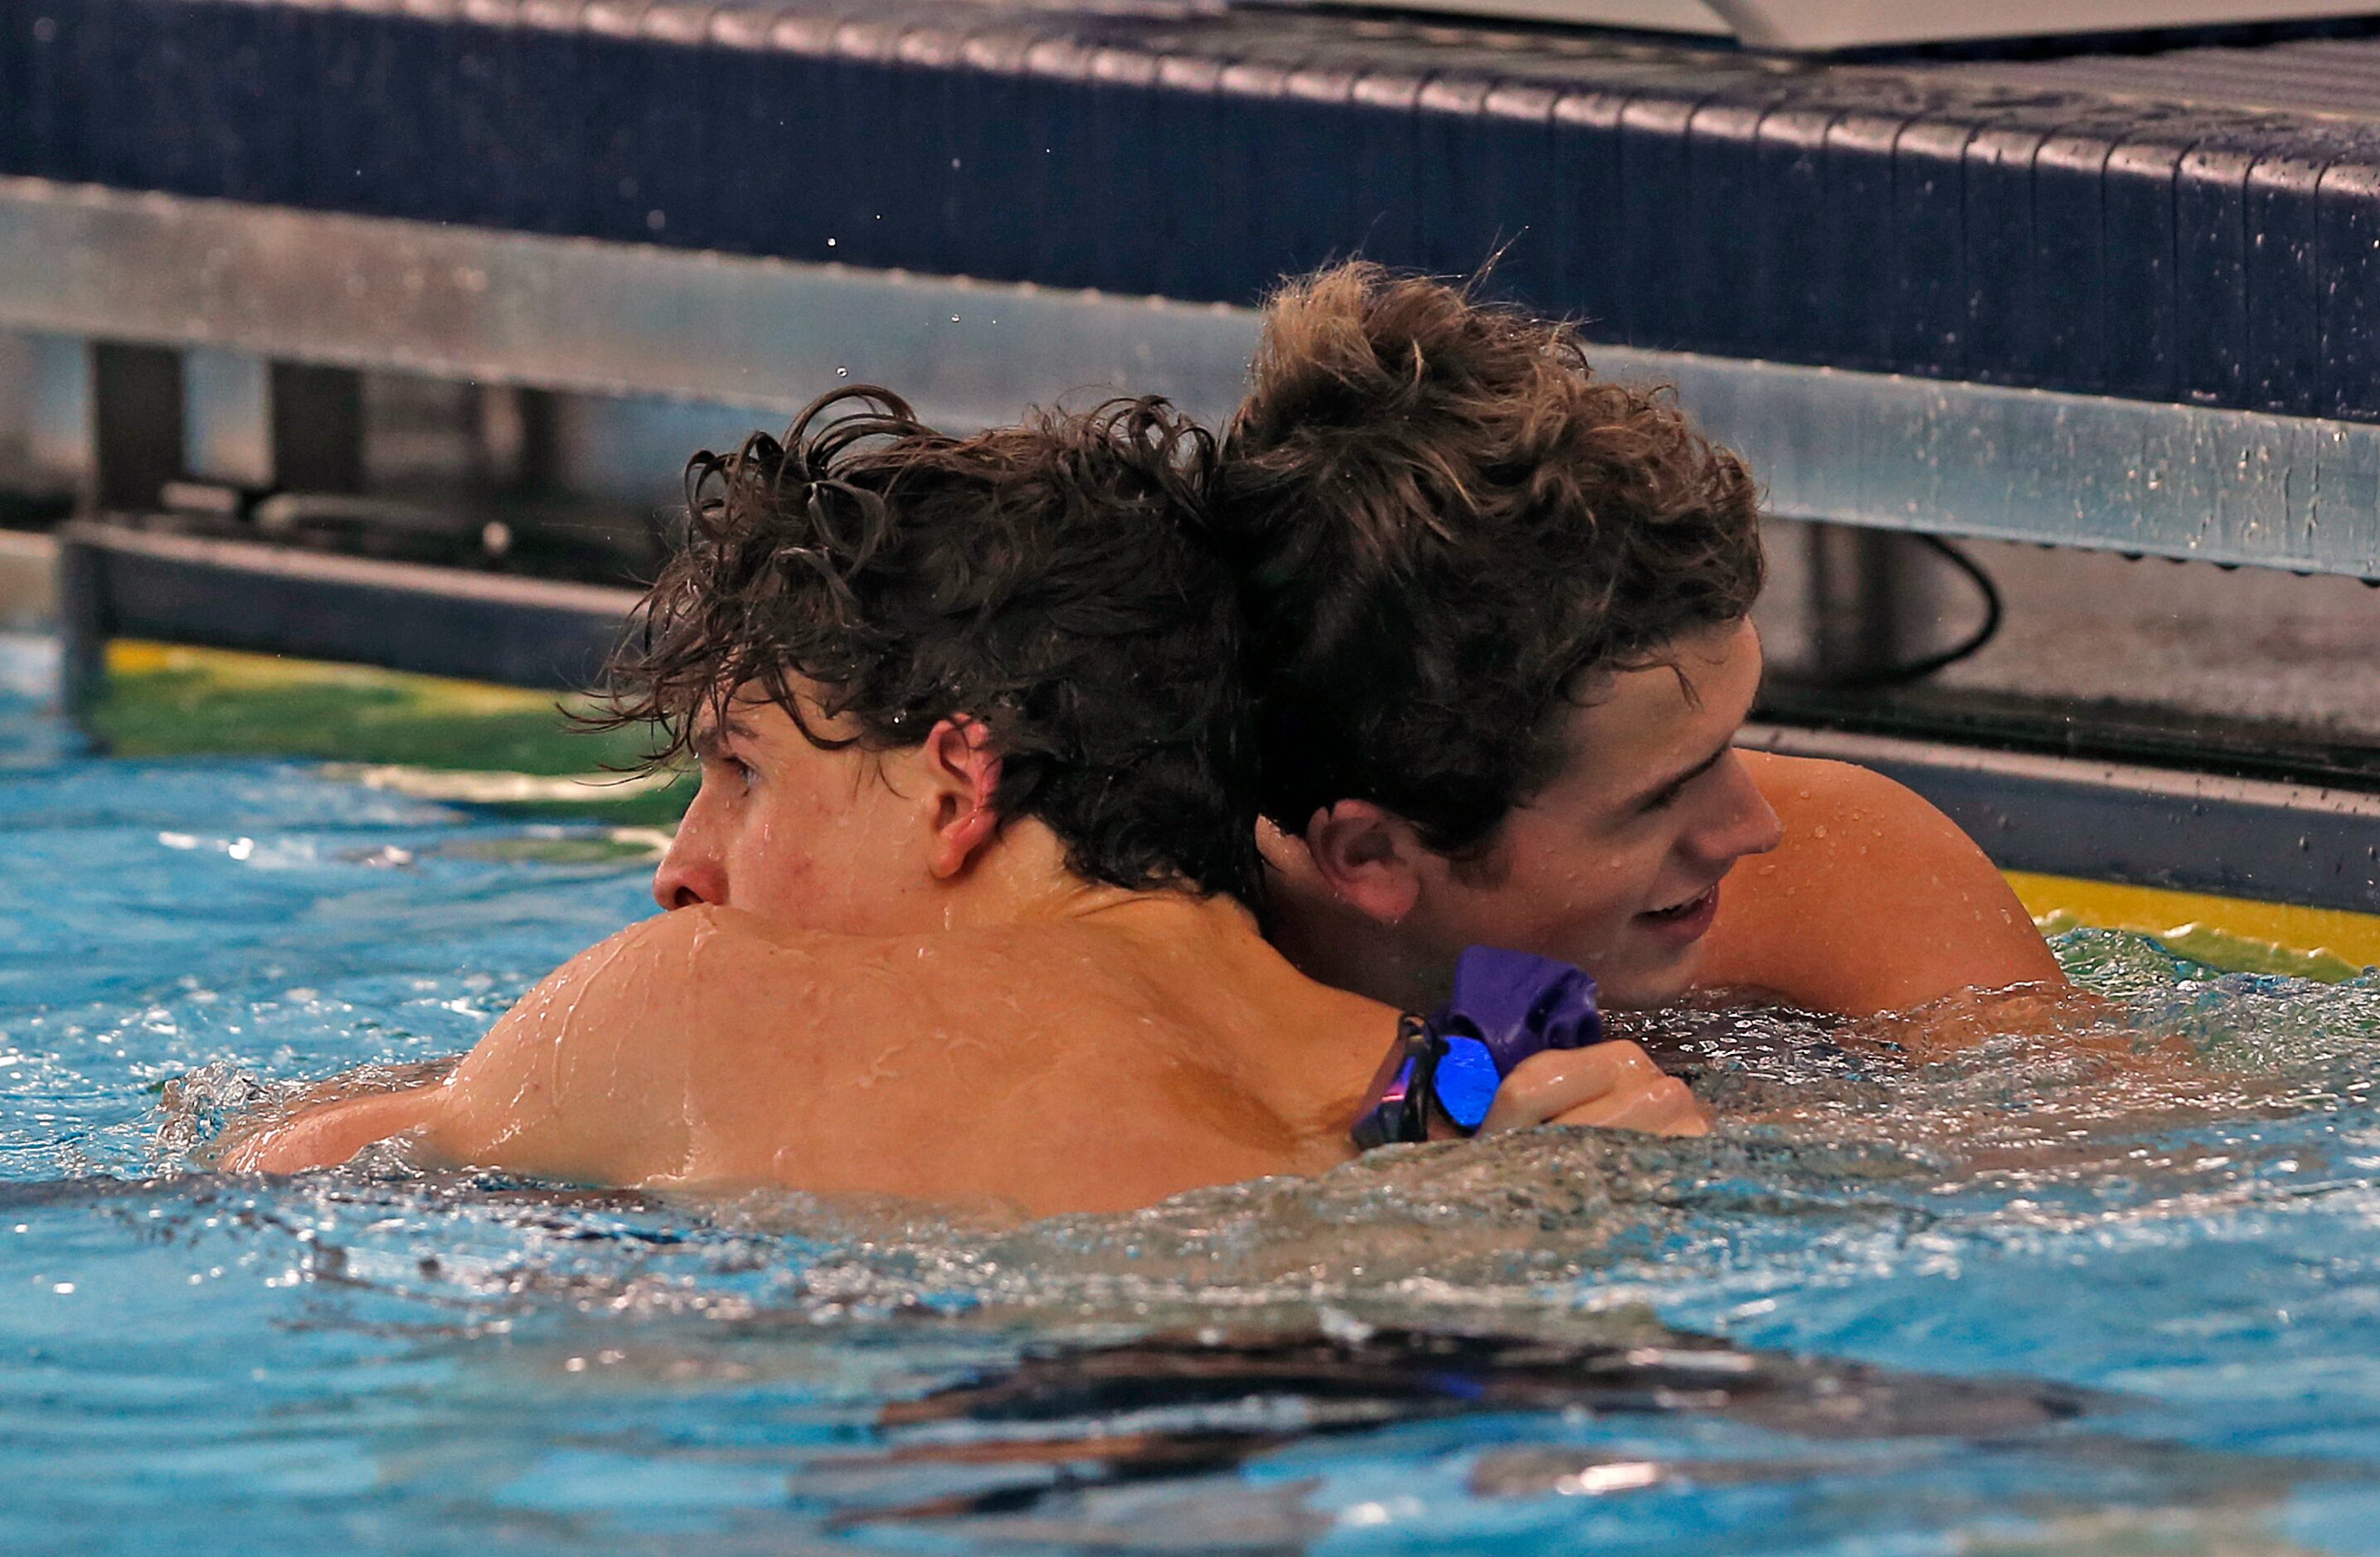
[2011, 1304]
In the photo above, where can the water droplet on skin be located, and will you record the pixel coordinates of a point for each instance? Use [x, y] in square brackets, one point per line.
[1818, 831]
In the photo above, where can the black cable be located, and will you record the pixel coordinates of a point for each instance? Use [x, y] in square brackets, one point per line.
[1917, 670]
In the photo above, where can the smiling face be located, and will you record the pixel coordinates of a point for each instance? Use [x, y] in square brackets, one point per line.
[805, 837]
[1616, 864]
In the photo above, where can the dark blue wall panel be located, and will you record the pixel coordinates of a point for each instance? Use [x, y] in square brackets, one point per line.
[2211, 246]
[2130, 226]
[2349, 305]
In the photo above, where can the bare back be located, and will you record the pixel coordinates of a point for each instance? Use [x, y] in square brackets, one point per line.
[1090, 1063]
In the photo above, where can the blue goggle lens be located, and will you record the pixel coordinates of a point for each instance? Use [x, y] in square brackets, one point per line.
[1467, 1080]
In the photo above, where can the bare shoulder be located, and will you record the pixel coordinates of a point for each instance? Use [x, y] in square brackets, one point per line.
[640, 1058]
[667, 971]
[1838, 817]
[1874, 900]
[590, 1075]
[526, 1097]
[1814, 791]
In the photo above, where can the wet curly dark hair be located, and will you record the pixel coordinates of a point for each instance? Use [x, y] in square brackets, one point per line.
[1054, 580]
[1449, 525]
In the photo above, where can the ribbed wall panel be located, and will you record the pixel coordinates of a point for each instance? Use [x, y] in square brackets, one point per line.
[2189, 226]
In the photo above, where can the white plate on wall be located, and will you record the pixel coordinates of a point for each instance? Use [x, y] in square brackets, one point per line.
[1823, 26]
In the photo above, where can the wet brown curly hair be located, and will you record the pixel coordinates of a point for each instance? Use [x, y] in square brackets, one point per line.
[1054, 580]
[1449, 525]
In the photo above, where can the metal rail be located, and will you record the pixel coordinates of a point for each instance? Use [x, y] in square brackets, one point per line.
[1870, 449]
[581, 314]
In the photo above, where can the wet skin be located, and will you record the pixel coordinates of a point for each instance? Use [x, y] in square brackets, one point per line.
[868, 982]
[1873, 902]
[1662, 859]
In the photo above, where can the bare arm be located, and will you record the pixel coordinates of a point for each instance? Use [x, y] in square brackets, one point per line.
[1874, 901]
[586, 1079]
[325, 1134]
[574, 1082]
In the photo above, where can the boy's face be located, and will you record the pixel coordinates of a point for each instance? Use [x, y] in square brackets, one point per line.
[806, 838]
[1616, 865]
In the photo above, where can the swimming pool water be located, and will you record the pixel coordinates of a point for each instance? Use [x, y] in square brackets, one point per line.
[2013, 1303]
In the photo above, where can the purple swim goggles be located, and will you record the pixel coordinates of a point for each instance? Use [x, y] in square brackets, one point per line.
[1506, 1005]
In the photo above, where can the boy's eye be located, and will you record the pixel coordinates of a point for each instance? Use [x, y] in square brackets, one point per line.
[1669, 796]
[732, 768]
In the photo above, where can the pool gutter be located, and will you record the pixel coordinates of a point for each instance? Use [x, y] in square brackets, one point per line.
[2060, 815]
[118, 582]
[2131, 823]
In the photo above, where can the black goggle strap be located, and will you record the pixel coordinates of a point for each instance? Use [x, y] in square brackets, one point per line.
[1402, 1093]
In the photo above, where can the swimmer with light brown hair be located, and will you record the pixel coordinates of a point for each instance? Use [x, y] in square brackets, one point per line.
[1504, 646]
[963, 908]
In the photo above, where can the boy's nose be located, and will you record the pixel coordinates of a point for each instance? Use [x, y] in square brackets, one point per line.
[1746, 822]
[689, 875]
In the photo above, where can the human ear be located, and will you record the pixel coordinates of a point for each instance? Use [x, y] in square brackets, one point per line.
[1368, 857]
[962, 775]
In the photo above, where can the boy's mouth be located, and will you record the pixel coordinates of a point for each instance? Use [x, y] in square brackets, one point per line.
[1684, 921]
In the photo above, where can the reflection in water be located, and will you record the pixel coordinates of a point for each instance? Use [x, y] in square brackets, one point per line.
[1351, 1377]
[1216, 1442]
[1172, 1407]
